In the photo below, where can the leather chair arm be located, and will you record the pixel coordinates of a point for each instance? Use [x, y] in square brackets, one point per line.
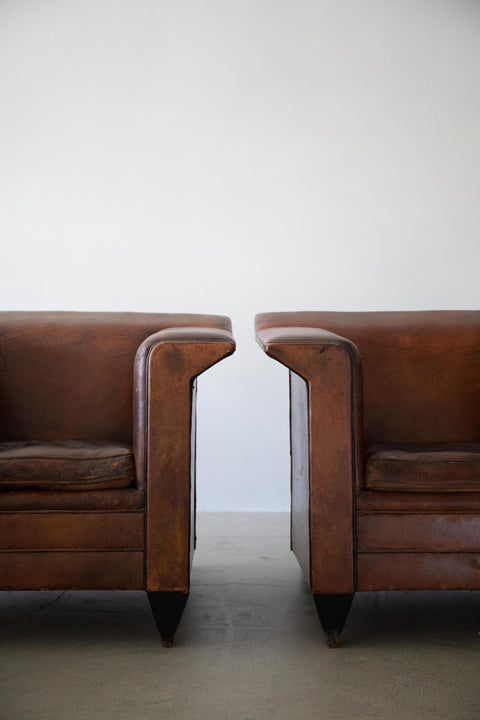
[186, 335]
[273, 339]
[325, 433]
[166, 366]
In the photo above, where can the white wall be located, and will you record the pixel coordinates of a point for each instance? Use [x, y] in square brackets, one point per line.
[237, 156]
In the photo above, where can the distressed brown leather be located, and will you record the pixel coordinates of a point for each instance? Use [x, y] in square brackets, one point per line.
[371, 500]
[449, 467]
[166, 366]
[131, 498]
[72, 465]
[81, 385]
[325, 399]
[415, 365]
[385, 428]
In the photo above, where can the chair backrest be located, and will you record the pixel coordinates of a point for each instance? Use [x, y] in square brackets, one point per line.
[69, 375]
[421, 371]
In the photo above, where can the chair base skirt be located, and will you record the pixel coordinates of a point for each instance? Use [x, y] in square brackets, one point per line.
[418, 571]
[72, 570]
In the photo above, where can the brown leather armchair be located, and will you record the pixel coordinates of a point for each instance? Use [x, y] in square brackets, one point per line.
[385, 450]
[97, 451]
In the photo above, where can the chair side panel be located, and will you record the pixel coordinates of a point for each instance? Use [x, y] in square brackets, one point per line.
[300, 473]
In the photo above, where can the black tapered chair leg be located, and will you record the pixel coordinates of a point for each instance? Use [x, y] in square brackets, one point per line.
[167, 609]
[332, 611]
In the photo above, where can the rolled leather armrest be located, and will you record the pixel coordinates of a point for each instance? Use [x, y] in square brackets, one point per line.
[281, 343]
[166, 366]
[325, 399]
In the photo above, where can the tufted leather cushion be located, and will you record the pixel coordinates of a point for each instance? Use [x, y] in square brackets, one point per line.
[415, 468]
[66, 465]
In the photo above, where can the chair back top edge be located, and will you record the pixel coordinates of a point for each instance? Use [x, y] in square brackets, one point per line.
[420, 370]
[69, 375]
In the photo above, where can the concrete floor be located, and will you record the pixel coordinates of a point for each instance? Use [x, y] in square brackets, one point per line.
[249, 647]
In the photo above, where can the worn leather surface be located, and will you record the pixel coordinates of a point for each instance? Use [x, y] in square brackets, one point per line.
[411, 531]
[72, 570]
[418, 571]
[420, 370]
[326, 433]
[131, 498]
[178, 340]
[78, 529]
[69, 375]
[373, 501]
[77, 378]
[414, 381]
[448, 467]
[66, 465]
[165, 368]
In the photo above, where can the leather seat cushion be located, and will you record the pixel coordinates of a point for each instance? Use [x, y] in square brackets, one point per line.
[67, 465]
[420, 468]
